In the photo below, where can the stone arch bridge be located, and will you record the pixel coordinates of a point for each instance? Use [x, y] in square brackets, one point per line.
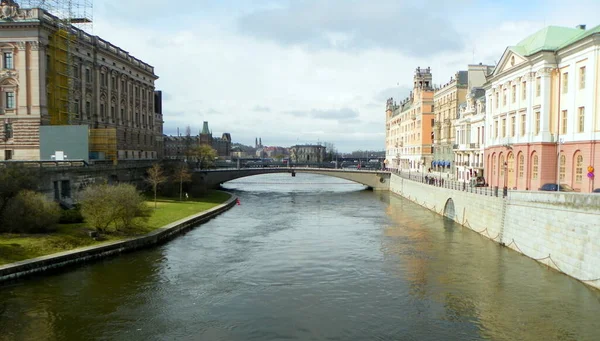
[210, 179]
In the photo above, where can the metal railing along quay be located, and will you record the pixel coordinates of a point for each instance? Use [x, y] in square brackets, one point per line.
[435, 180]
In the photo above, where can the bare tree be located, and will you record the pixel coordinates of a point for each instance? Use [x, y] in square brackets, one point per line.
[182, 174]
[155, 178]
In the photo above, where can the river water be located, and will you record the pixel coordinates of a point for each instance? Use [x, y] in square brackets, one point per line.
[308, 258]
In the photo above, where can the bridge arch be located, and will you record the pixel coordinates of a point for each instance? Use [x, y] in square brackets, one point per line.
[449, 211]
[378, 180]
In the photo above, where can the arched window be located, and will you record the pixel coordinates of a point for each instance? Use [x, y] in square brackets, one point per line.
[578, 167]
[534, 167]
[494, 164]
[562, 168]
[521, 165]
[501, 165]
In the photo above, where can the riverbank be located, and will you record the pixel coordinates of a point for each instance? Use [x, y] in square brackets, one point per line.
[558, 230]
[170, 218]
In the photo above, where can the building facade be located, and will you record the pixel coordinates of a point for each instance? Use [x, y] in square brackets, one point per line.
[542, 119]
[408, 130]
[106, 89]
[470, 133]
[447, 99]
[179, 147]
[308, 153]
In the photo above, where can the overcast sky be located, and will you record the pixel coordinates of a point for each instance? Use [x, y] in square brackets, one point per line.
[308, 71]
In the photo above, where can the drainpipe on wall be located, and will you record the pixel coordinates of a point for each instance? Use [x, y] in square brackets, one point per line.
[558, 124]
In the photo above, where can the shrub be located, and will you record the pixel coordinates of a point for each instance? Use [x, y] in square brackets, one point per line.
[110, 208]
[31, 212]
[71, 216]
[13, 179]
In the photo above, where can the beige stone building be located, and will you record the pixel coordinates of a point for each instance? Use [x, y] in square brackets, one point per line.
[409, 125]
[52, 76]
[447, 101]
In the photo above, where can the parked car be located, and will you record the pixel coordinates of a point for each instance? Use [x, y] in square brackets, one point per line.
[597, 190]
[553, 187]
[477, 182]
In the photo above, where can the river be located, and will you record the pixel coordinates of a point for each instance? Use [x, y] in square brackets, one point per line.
[308, 258]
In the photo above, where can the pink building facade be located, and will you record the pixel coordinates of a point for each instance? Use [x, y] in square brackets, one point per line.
[542, 117]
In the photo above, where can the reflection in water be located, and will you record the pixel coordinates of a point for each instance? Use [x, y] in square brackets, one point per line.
[305, 258]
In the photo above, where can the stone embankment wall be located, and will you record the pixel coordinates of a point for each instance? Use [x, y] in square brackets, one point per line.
[69, 258]
[560, 230]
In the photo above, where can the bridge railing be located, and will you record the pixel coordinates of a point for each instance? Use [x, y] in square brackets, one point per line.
[437, 181]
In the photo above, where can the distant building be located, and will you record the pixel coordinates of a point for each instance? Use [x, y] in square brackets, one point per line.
[469, 144]
[408, 137]
[307, 153]
[178, 147]
[112, 92]
[447, 101]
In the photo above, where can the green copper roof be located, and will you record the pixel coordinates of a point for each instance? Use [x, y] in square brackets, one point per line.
[205, 128]
[550, 38]
[582, 35]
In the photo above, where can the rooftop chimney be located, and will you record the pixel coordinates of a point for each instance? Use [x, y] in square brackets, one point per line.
[581, 27]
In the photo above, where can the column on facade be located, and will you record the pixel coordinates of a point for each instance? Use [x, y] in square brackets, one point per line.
[23, 69]
[38, 76]
[545, 104]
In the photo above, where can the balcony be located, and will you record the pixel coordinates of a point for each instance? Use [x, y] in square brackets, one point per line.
[455, 146]
[474, 145]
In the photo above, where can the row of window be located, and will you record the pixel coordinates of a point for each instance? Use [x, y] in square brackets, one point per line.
[538, 88]
[577, 169]
[564, 124]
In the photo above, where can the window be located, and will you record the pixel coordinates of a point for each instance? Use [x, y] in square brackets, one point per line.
[521, 165]
[9, 100]
[513, 124]
[524, 90]
[563, 128]
[565, 82]
[538, 86]
[8, 60]
[494, 165]
[76, 108]
[578, 168]
[497, 100]
[88, 108]
[513, 95]
[112, 113]
[537, 122]
[496, 129]
[562, 168]
[76, 71]
[581, 119]
[88, 75]
[103, 79]
[534, 168]
[504, 127]
[523, 121]
[501, 165]
[582, 77]
[8, 131]
[102, 112]
[8, 154]
[504, 97]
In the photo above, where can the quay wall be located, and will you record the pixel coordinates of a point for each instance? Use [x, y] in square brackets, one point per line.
[560, 230]
[64, 259]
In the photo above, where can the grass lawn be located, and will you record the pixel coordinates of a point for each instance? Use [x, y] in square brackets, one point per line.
[17, 247]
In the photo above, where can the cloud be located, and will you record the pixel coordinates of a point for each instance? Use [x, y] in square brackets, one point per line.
[355, 26]
[331, 114]
[259, 108]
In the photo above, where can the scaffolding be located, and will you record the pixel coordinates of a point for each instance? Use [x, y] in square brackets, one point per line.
[103, 144]
[71, 15]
